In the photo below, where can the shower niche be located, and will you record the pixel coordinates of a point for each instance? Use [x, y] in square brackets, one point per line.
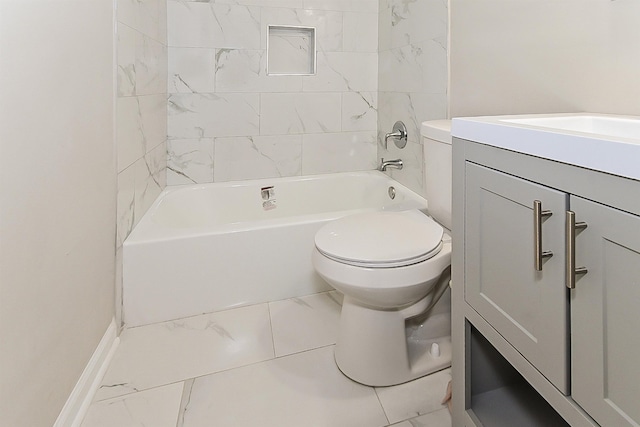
[291, 50]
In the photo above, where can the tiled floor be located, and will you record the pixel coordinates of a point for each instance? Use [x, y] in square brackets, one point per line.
[264, 365]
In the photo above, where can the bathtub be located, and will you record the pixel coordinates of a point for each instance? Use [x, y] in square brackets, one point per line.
[211, 247]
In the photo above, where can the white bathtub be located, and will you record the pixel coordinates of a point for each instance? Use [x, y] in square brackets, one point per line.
[205, 248]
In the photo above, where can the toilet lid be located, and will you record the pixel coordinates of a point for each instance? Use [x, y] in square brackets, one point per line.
[381, 239]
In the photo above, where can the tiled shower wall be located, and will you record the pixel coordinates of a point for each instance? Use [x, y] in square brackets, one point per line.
[228, 120]
[412, 77]
[141, 114]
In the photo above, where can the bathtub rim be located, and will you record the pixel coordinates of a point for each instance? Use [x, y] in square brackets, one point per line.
[148, 231]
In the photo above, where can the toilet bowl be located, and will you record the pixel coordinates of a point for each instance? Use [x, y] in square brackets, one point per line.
[393, 269]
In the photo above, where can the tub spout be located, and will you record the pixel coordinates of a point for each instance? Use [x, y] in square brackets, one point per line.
[384, 164]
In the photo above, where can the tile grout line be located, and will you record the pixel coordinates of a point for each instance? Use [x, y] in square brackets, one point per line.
[375, 390]
[253, 363]
[184, 401]
[132, 393]
[273, 341]
[304, 351]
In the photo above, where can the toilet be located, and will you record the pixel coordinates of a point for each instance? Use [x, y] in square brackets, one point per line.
[394, 271]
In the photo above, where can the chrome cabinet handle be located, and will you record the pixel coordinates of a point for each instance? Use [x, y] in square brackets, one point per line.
[570, 234]
[539, 254]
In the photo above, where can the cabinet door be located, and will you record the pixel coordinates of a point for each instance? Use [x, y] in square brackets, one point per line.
[528, 307]
[605, 315]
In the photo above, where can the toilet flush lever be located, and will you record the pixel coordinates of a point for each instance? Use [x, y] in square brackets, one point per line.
[538, 215]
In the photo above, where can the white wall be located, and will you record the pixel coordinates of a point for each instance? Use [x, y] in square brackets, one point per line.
[228, 120]
[412, 78]
[530, 56]
[57, 195]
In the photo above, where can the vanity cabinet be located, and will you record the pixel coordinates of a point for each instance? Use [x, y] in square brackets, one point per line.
[525, 229]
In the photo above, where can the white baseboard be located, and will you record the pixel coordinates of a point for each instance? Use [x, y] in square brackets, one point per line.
[80, 398]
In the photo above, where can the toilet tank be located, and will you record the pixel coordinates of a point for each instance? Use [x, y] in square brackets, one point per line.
[436, 137]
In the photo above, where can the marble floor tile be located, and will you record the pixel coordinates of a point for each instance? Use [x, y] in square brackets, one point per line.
[304, 389]
[163, 353]
[439, 418]
[418, 397]
[305, 323]
[157, 407]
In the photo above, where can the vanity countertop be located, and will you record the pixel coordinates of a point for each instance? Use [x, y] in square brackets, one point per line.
[601, 142]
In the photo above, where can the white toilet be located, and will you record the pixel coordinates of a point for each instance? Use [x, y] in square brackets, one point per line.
[394, 269]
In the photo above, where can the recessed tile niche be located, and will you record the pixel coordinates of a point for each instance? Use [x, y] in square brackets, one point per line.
[291, 51]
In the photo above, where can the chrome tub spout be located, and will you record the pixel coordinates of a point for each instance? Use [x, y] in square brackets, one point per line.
[384, 164]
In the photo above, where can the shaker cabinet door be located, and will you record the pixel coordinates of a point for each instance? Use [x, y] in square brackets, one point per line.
[605, 314]
[526, 306]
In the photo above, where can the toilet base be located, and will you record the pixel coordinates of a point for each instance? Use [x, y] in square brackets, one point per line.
[373, 347]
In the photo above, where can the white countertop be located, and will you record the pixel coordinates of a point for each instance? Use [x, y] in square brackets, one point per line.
[601, 142]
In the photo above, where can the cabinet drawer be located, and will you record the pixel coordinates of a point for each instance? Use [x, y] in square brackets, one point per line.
[528, 307]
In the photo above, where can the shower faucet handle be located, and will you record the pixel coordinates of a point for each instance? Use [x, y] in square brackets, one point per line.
[399, 134]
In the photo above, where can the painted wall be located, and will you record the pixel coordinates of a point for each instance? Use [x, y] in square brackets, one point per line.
[228, 120]
[534, 56]
[412, 77]
[141, 115]
[57, 196]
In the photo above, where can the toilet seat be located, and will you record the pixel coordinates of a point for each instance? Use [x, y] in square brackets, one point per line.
[381, 239]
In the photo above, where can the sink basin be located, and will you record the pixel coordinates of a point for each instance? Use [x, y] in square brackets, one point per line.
[594, 124]
[601, 142]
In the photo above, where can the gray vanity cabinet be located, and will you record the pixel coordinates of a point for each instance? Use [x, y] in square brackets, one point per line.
[524, 340]
[605, 314]
[526, 306]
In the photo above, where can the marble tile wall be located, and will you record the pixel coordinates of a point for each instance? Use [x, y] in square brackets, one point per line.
[229, 120]
[141, 114]
[412, 77]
